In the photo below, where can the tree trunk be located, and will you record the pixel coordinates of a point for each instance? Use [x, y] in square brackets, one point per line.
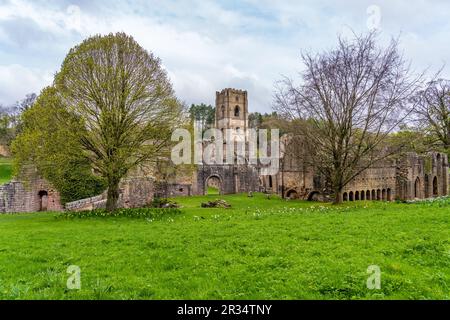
[337, 197]
[112, 195]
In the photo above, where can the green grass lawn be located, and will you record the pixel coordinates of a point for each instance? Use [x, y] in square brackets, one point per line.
[212, 191]
[5, 170]
[259, 249]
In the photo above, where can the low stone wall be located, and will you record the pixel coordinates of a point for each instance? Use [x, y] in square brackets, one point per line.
[133, 193]
[86, 204]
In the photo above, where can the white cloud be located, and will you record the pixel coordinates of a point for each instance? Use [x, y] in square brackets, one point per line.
[206, 46]
[16, 81]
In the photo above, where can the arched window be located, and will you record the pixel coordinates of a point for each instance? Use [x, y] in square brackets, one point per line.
[435, 187]
[417, 188]
[236, 111]
[237, 98]
[389, 194]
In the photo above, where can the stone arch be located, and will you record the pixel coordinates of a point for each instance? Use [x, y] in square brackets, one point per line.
[383, 195]
[356, 195]
[270, 182]
[350, 196]
[435, 187]
[378, 194]
[417, 188]
[363, 195]
[291, 194]
[345, 196]
[389, 194]
[374, 196]
[368, 195]
[314, 196]
[427, 186]
[213, 182]
[43, 200]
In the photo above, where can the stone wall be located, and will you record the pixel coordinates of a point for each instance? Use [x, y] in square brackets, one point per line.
[232, 178]
[36, 194]
[410, 177]
[136, 192]
[87, 204]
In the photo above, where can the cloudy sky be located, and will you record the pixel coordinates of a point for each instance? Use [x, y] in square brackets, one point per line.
[209, 45]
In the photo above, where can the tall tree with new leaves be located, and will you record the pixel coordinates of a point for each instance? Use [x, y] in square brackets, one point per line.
[124, 98]
[123, 102]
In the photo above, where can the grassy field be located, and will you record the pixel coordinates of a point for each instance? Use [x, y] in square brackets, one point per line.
[212, 191]
[259, 249]
[5, 170]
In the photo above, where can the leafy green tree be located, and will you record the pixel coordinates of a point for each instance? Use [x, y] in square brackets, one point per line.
[255, 119]
[55, 149]
[203, 113]
[120, 107]
[10, 124]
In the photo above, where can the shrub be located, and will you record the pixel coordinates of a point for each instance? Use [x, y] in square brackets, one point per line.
[148, 213]
[162, 203]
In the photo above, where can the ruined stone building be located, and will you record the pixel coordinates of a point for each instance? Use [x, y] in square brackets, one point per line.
[29, 193]
[231, 113]
[409, 177]
[412, 176]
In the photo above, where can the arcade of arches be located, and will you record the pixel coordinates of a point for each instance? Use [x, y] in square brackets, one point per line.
[379, 194]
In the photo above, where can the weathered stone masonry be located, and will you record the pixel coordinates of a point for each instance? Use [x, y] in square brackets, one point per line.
[36, 194]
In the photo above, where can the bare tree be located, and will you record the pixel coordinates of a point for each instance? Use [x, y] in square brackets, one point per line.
[433, 110]
[349, 101]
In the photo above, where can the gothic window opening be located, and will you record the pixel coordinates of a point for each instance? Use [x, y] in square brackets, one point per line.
[237, 111]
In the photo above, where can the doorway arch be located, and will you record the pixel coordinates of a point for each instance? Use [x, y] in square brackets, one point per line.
[291, 194]
[314, 196]
[43, 200]
[417, 188]
[213, 185]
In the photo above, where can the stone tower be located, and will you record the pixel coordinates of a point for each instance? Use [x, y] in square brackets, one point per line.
[232, 111]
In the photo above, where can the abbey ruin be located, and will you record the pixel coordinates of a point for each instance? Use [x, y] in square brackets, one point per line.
[409, 177]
